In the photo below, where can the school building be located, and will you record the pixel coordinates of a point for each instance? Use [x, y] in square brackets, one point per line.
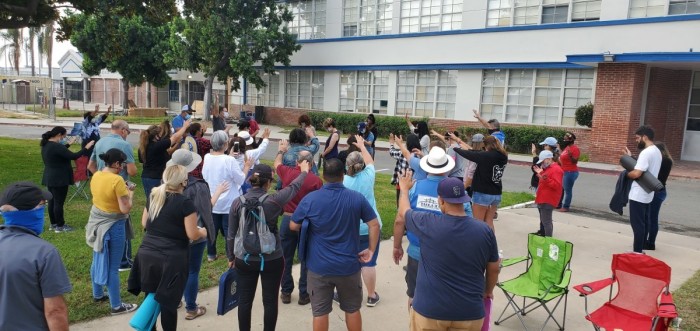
[524, 62]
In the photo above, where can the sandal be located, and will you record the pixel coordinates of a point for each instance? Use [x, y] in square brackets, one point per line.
[195, 313]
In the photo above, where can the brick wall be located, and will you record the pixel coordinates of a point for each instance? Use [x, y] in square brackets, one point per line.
[667, 105]
[618, 104]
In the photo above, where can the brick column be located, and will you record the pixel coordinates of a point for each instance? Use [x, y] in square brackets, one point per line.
[617, 114]
[667, 105]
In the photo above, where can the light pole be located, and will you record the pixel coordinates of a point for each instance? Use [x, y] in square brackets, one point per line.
[188, 88]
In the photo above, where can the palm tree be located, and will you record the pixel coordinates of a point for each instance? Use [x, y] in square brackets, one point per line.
[13, 46]
[33, 33]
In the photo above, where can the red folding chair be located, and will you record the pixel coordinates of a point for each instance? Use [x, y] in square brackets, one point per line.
[81, 178]
[642, 301]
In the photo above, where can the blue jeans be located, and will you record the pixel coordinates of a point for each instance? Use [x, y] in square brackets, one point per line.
[149, 184]
[639, 216]
[192, 285]
[115, 246]
[126, 261]
[290, 241]
[569, 180]
[220, 225]
[654, 208]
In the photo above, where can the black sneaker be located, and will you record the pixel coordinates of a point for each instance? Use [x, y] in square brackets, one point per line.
[304, 299]
[124, 308]
[286, 298]
[102, 299]
[649, 247]
[52, 227]
[64, 228]
[371, 302]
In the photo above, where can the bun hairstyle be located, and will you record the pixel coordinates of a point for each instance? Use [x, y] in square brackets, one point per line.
[113, 156]
[354, 163]
[57, 130]
[328, 122]
[257, 181]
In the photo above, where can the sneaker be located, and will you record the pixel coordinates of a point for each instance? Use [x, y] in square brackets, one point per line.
[102, 299]
[649, 247]
[124, 308]
[124, 268]
[211, 258]
[563, 210]
[52, 227]
[304, 299]
[371, 302]
[64, 228]
[539, 233]
[286, 298]
[195, 313]
[336, 299]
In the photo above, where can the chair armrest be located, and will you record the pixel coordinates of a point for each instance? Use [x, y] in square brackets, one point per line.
[565, 280]
[592, 287]
[514, 260]
[666, 306]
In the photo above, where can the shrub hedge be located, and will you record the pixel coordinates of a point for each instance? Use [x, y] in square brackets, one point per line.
[347, 122]
[519, 138]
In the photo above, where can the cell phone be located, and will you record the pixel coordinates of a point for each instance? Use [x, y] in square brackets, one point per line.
[131, 185]
[236, 147]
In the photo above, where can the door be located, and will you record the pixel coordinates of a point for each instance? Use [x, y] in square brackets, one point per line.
[691, 140]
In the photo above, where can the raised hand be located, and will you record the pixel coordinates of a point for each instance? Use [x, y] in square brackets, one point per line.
[266, 133]
[406, 180]
[391, 138]
[305, 166]
[283, 145]
[476, 113]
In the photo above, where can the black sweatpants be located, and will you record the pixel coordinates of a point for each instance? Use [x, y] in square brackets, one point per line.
[168, 319]
[56, 204]
[270, 277]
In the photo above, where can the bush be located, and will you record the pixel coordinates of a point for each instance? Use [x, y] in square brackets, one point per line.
[584, 115]
[518, 138]
[347, 122]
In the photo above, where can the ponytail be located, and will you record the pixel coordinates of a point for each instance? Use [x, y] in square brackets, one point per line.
[173, 177]
[50, 134]
[157, 200]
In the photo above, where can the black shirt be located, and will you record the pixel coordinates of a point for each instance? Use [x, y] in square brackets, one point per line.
[170, 223]
[665, 170]
[489, 170]
[156, 158]
[218, 123]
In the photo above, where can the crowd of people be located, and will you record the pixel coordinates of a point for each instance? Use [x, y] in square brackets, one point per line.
[448, 190]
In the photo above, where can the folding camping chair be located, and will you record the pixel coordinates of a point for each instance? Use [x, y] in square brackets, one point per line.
[547, 277]
[81, 178]
[641, 280]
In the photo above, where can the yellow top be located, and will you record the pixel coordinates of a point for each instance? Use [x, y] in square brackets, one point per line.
[106, 189]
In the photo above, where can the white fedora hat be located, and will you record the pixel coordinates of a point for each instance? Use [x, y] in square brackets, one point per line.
[437, 161]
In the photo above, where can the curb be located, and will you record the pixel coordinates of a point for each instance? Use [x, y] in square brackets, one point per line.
[520, 205]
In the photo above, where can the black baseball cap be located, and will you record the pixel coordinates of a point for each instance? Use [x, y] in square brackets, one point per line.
[451, 190]
[263, 171]
[24, 195]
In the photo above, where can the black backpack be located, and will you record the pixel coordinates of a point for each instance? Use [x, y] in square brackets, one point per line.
[254, 236]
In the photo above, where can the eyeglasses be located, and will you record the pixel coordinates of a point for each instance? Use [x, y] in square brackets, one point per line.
[127, 130]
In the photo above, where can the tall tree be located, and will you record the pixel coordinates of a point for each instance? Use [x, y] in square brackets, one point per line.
[31, 41]
[131, 46]
[14, 40]
[230, 38]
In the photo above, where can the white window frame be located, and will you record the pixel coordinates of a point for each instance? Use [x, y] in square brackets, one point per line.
[371, 98]
[506, 9]
[455, 18]
[361, 26]
[434, 101]
[563, 87]
[295, 89]
[316, 24]
[265, 96]
[672, 2]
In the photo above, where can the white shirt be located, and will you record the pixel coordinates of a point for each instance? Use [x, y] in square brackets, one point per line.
[219, 168]
[649, 161]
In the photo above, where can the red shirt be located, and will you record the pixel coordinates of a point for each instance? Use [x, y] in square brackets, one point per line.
[203, 147]
[311, 183]
[254, 126]
[565, 158]
[550, 189]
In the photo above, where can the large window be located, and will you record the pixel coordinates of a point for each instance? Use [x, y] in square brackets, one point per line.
[364, 91]
[430, 93]
[539, 96]
[679, 7]
[268, 95]
[527, 12]
[367, 17]
[651, 8]
[309, 20]
[430, 15]
[303, 89]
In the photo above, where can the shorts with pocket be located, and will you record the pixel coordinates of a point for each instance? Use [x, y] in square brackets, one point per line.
[482, 199]
[364, 244]
[321, 289]
[411, 275]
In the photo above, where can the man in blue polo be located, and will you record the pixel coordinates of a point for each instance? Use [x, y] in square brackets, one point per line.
[33, 278]
[117, 139]
[179, 120]
[423, 197]
[333, 258]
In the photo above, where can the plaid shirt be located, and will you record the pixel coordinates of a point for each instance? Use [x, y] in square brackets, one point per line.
[401, 163]
[203, 147]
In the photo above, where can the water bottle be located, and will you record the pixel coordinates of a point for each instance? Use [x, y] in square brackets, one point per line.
[500, 259]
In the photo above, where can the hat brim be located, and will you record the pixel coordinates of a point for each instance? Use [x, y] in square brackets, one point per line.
[463, 199]
[196, 160]
[542, 160]
[249, 141]
[447, 167]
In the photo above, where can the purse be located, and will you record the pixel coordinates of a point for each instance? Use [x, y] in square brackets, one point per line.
[228, 292]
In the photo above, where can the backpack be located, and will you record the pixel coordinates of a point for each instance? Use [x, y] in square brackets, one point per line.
[254, 236]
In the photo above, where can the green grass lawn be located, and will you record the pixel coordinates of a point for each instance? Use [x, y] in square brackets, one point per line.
[22, 161]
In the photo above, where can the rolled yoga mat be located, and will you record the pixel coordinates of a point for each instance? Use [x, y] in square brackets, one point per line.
[647, 181]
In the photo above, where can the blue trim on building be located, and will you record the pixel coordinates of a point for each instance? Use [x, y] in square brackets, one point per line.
[445, 66]
[569, 25]
[638, 57]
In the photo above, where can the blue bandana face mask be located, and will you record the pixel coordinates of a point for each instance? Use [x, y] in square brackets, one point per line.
[188, 117]
[30, 219]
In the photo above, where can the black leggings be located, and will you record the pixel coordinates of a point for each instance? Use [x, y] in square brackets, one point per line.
[168, 319]
[56, 204]
[270, 277]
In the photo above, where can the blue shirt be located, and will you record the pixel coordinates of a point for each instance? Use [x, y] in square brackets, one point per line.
[112, 141]
[423, 197]
[418, 172]
[455, 251]
[333, 214]
[290, 156]
[363, 182]
[178, 122]
[501, 137]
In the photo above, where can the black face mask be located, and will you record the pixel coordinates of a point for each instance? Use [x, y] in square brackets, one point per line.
[491, 131]
[565, 143]
[641, 145]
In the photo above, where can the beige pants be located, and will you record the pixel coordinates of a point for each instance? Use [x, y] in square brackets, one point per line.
[422, 323]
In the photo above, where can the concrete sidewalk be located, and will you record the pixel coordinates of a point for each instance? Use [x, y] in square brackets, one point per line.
[594, 243]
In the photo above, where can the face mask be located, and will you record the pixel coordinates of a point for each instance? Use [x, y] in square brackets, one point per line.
[188, 117]
[544, 165]
[30, 219]
[64, 141]
[491, 131]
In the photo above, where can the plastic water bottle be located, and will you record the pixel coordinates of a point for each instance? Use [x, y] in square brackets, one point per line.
[500, 259]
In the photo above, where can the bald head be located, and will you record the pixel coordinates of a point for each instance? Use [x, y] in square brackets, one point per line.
[305, 156]
[121, 128]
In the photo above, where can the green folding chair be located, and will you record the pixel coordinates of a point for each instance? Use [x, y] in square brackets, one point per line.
[546, 278]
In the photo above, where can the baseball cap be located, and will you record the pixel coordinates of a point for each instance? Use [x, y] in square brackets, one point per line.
[263, 171]
[23, 195]
[187, 108]
[551, 141]
[477, 138]
[185, 158]
[545, 155]
[451, 190]
[361, 126]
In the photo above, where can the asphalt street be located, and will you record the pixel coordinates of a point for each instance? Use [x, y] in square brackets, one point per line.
[592, 192]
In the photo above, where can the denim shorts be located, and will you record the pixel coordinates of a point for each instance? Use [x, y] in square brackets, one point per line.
[486, 199]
